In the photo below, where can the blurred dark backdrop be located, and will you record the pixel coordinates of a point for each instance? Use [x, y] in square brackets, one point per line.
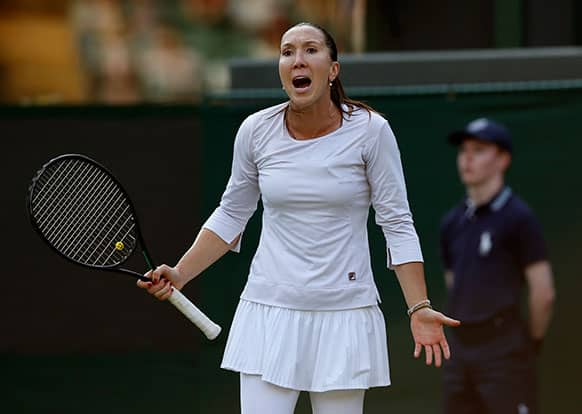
[74, 340]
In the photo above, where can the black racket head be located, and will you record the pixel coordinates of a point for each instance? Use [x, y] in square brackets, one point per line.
[82, 212]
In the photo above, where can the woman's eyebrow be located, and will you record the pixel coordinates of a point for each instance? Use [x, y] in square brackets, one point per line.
[307, 42]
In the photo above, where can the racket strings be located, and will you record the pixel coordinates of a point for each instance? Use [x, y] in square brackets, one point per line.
[116, 255]
[49, 194]
[97, 248]
[89, 210]
[68, 203]
[84, 214]
[72, 207]
[89, 219]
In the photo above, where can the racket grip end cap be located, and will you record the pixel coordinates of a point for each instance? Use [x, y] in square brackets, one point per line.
[214, 332]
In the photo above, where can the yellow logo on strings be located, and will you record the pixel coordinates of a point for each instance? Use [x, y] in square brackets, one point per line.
[119, 245]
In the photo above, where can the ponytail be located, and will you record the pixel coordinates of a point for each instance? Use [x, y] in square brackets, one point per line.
[339, 98]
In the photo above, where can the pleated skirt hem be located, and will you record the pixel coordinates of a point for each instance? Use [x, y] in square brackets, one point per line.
[309, 350]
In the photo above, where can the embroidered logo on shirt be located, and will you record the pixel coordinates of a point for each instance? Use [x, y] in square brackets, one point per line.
[486, 244]
[352, 276]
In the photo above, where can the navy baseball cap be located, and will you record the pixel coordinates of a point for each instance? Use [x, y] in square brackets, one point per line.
[484, 129]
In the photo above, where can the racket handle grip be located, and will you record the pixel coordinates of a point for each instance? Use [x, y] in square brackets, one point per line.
[209, 328]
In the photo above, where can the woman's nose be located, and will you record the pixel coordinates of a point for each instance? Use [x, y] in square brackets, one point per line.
[299, 61]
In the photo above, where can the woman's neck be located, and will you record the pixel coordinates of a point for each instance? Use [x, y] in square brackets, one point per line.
[483, 193]
[312, 122]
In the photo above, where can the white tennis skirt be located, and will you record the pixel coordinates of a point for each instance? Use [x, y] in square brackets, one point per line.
[309, 350]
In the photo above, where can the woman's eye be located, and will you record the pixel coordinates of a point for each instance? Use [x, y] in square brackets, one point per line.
[286, 53]
[311, 50]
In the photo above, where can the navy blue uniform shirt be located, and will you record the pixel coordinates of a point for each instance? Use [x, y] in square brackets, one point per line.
[488, 248]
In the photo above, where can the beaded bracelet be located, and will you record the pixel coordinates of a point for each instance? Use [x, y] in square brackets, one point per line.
[420, 305]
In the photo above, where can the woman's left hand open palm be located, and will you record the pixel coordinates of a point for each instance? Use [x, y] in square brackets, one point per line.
[427, 330]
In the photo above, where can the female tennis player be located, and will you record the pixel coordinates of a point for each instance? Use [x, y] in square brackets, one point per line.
[308, 318]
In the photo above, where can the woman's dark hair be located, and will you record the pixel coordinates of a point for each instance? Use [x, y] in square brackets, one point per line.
[338, 95]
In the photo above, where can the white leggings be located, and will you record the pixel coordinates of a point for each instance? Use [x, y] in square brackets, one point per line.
[261, 397]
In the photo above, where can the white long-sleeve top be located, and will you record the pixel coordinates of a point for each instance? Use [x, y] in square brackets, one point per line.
[313, 252]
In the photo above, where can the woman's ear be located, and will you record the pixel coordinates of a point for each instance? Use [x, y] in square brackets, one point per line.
[334, 71]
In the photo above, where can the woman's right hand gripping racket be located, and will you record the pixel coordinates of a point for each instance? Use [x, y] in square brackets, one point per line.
[83, 213]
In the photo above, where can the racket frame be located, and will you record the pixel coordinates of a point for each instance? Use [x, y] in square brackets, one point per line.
[140, 239]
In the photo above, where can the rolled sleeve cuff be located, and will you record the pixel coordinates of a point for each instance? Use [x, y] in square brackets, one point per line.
[224, 227]
[405, 251]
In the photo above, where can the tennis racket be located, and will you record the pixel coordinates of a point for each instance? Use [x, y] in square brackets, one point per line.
[83, 213]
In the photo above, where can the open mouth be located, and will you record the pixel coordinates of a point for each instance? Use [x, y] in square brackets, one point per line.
[301, 82]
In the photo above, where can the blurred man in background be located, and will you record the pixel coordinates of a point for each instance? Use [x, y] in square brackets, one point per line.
[492, 246]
